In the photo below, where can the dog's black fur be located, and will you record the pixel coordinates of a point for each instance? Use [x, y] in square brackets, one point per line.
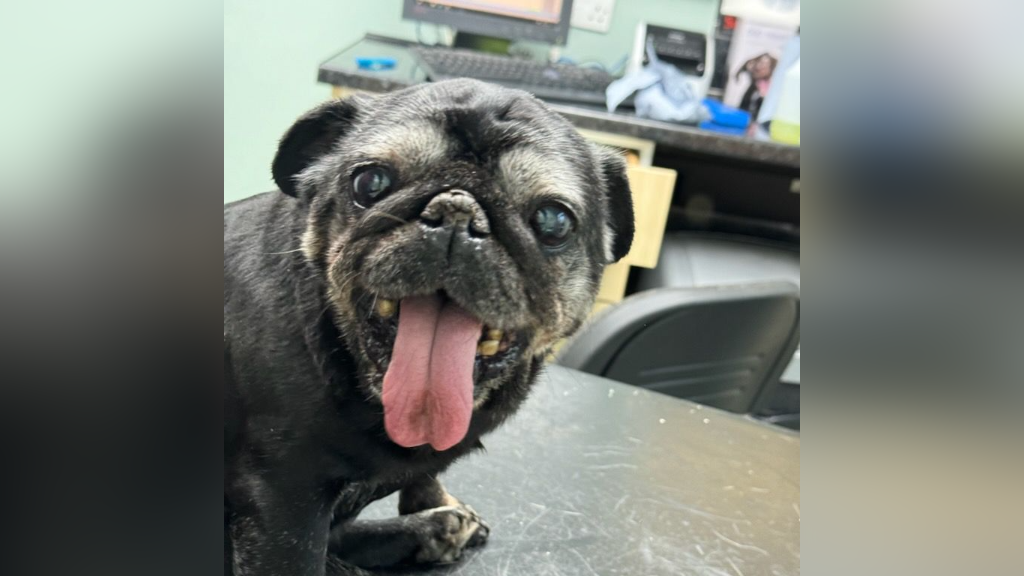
[305, 445]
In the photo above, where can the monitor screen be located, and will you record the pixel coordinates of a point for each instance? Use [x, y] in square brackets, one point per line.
[536, 10]
[540, 20]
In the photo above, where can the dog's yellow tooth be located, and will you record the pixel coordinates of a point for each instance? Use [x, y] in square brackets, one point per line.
[385, 308]
[488, 348]
[495, 334]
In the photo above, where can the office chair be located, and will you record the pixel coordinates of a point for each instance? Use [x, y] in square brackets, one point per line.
[694, 259]
[702, 258]
[723, 346]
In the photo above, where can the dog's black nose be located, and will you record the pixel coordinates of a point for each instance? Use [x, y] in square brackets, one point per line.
[456, 209]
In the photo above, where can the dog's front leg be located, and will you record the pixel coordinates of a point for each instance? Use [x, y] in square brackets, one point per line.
[278, 528]
[434, 527]
[423, 495]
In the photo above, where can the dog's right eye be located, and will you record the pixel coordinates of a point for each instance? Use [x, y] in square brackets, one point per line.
[370, 184]
[552, 223]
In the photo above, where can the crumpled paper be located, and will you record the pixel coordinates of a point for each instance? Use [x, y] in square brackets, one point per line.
[662, 92]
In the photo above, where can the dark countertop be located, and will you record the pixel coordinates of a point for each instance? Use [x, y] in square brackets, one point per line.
[340, 70]
[594, 477]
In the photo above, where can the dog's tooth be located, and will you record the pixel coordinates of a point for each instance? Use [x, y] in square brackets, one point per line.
[385, 308]
[488, 348]
[494, 334]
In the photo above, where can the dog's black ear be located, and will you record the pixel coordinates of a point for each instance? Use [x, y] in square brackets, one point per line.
[312, 136]
[620, 202]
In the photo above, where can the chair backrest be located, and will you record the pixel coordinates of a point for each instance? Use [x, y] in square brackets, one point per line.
[714, 345]
[692, 259]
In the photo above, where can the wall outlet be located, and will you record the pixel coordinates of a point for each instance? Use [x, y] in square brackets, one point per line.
[593, 15]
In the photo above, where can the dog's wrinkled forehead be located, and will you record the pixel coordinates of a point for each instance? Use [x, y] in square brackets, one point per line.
[525, 144]
[417, 142]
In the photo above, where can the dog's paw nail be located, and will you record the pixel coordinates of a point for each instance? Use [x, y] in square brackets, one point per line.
[479, 538]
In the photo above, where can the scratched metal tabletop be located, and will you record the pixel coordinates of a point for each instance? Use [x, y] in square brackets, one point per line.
[594, 477]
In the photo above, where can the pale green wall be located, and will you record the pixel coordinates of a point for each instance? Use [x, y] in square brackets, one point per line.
[272, 49]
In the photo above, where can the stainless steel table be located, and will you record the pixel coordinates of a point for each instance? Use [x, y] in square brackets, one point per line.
[594, 477]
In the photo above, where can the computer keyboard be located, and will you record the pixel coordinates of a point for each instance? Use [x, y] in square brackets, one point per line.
[556, 82]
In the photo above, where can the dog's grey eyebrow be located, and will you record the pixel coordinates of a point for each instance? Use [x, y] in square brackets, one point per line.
[539, 174]
[419, 143]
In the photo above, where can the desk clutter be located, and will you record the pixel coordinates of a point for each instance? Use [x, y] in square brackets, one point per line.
[678, 69]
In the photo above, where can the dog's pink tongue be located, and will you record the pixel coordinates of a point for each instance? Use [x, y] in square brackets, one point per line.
[428, 388]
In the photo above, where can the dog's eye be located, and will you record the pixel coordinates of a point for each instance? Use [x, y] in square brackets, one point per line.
[552, 223]
[370, 184]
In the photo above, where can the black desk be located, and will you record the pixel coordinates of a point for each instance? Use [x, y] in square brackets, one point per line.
[593, 477]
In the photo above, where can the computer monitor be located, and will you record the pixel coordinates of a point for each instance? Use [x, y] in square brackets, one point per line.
[540, 20]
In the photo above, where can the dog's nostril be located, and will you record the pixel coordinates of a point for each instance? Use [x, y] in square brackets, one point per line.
[431, 218]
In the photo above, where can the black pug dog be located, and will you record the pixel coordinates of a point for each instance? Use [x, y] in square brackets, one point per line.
[394, 305]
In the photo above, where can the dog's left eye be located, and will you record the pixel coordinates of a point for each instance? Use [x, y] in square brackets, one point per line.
[552, 224]
[370, 184]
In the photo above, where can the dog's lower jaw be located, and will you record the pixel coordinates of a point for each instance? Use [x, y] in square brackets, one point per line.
[372, 335]
[372, 384]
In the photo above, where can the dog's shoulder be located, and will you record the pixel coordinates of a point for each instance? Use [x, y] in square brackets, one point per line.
[260, 221]
[261, 236]
[271, 304]
[262, 265]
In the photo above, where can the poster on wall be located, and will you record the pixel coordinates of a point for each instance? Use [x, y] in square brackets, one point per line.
[754, 53]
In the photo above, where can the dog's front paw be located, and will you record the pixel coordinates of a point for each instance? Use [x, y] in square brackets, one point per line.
[448, 531]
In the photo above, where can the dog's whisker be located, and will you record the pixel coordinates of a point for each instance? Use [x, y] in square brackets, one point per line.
[346, 282]
[389, 215]
[322, 312]
[286, 251]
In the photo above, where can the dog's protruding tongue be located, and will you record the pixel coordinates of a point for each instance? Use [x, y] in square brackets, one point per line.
[428, 388]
